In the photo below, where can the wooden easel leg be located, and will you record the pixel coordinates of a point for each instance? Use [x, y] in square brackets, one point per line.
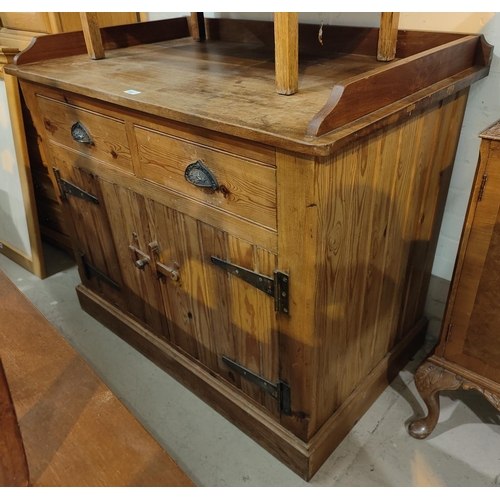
[388, 36]
[197, 26]
[286, 48]
[92, 34]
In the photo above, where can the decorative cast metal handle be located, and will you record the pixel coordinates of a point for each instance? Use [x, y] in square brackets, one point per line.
[200, 175]
[81, 134]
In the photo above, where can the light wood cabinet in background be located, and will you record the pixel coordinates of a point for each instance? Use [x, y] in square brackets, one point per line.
[468, 354]
[40, 198]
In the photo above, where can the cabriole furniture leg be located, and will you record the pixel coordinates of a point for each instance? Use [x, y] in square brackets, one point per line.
[430, 380]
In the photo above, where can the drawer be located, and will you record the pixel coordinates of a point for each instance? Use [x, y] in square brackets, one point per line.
[108, 135]
[245, 188]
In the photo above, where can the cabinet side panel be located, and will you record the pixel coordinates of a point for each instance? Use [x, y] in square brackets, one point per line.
[298, 213]
[378, 201]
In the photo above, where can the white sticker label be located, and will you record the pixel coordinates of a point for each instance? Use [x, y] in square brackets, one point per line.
[1, 246]
[132, 92]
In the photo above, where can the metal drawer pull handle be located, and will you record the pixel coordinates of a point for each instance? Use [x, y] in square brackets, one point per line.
[81, 134]
[200, 176]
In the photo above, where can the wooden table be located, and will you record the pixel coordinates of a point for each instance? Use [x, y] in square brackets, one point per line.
[75, 430]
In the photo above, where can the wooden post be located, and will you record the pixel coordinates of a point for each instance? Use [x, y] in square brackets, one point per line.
[197, 25]
[388, 36]
[92, 34]
[286, 48]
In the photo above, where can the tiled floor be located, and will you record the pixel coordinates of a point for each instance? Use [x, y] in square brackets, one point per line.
[464, 450]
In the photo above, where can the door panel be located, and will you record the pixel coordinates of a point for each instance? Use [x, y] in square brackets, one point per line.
[89, 223]
[131, 235]
[213, 313]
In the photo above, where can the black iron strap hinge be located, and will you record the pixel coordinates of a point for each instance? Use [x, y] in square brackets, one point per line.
[90, 271]
[277, 287]
[66, 187]
[280, 391]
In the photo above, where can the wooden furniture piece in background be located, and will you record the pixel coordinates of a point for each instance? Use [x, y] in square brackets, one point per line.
[41, 199]
[19, 230]
[13, 465]
[60, 22]
[279, 274]
[75, 430]
[468, 353]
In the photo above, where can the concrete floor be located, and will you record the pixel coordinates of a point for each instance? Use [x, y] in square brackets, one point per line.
[464, 449]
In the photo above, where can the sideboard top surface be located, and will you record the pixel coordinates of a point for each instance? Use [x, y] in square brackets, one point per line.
[229, 86]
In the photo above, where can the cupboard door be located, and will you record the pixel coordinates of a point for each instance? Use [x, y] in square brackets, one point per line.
[130, 233]
[474, 338]
[87, 219]
[211, 313]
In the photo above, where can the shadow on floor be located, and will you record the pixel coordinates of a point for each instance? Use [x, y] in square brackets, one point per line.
[56, 260]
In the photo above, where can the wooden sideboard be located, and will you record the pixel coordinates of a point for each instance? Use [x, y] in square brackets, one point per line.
[272, 252]
[468, 353]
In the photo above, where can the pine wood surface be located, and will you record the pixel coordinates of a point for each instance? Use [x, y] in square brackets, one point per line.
[246, 189]
[253, 65]
[108, 135]
[303, 458]
[355, 231]
[75, 431]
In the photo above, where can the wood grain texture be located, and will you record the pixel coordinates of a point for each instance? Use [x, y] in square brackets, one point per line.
[388, 36]
[13, 466]
[75, 430]
[108, 135]
[92, 34]
[354, 230]
[298, 215]
[374, 248]
[473, 342]
[336, 39]
[237, 226]
[304, 459]
[113, 37]
[390, 83]
[245, 188]
[253, 64]
[286, 48]
[234, 406]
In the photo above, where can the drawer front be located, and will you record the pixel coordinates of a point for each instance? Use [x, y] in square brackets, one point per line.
[108, 135]
[245, 188]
